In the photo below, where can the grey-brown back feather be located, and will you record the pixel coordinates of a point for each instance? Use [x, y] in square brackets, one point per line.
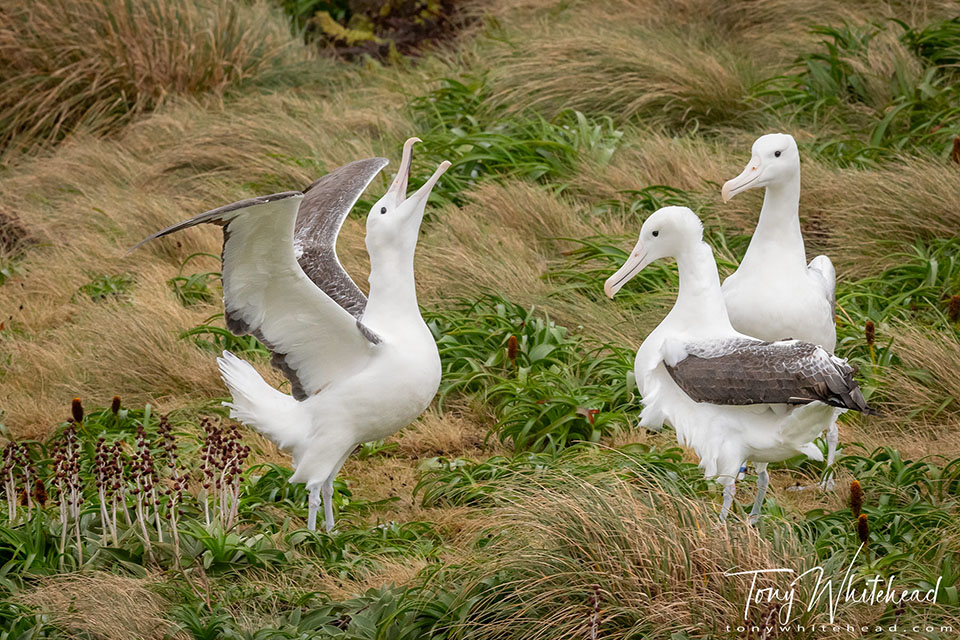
[325, 206]
[745, 372]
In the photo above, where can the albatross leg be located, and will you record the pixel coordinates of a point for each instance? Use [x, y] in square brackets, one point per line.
[314, 505]
[729, 490]
[833, 439]
[328, 492]
[763, 481]
[328, 503]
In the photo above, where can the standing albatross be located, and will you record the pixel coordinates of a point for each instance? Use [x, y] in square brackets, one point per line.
[729, 396]
[775, 294]
[360, 368]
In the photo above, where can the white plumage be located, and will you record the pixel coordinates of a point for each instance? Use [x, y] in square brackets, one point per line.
[360, 368]
[775, 294]
[733, 425]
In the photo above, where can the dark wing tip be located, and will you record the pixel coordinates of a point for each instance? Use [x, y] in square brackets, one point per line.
[373, 165]
[216, 215]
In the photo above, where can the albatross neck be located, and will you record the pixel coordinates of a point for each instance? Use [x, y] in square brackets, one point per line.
[777, 238]
[393, 291]
[699, 301]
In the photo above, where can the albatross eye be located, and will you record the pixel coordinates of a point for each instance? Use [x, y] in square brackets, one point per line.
[776, 154]
[656, 233]
[383, 210]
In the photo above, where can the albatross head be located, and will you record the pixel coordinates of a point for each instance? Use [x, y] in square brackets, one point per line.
[395, 217]
[775, 158]
[669, 231]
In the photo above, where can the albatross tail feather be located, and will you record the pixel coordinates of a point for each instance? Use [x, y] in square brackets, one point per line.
[276, 415]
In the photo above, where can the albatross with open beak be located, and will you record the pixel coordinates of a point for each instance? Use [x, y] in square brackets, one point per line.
[360, 368]
[775, 294]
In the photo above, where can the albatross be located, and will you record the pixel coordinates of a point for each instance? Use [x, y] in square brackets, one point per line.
[729, 396]
[360, 368]
[775, 293]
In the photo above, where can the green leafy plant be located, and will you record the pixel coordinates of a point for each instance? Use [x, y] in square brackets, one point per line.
[217, 339]
[194, 288]
[548, 389]
[482, 143]
[915, 112]
[104, 286]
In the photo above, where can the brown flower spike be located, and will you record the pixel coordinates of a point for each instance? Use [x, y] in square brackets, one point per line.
[870, 333]
[40, 492]
[76, 410]
[512, 348]
[863, 529]
[856, 498]
[115, 405]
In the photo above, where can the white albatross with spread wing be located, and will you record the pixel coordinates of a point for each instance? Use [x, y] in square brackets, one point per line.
[729, 396]
[360, 368]
[775, 294]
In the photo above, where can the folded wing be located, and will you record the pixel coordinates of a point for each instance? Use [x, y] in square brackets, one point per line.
[742, 371]
[314, 340]
[822, 269]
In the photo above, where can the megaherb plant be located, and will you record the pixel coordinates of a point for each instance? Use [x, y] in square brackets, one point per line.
[547, 388]
[118, 484]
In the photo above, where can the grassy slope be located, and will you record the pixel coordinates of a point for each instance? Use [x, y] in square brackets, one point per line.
[677, 84]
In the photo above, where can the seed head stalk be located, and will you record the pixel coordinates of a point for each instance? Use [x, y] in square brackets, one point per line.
[178, 482]
[9, 479]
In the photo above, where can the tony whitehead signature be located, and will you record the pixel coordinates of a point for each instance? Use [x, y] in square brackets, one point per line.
[873, 591]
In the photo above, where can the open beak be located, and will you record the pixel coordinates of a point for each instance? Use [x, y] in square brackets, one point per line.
[399, 187]
[635, 263]
[746, 180]
[420, 196]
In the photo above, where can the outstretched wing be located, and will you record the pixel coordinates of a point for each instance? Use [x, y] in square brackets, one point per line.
[822, 269]
[325, 206]
[742, 371]
[313, 339]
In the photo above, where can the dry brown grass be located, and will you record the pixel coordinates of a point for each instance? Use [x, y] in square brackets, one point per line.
[927, 385]
[681, 65]
[506, 240]
[451, 435]
[603, 62]
[67, 65]
[648, 562]
[101, 605]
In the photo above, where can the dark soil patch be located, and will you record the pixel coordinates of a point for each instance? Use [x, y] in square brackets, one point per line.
[352, 29]
[14, 236]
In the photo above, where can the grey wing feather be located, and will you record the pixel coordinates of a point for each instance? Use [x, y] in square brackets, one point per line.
[746, 372]
[325, 206]
[219, 215]
[223, 216]
[822, 268]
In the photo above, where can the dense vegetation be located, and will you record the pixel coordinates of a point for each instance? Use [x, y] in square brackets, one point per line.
[526, 503]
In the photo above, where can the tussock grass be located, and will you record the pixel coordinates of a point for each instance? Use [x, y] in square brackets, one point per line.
[615, 558]
[604, 63]
[101, 605]
[93, 65]
[927, 384]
